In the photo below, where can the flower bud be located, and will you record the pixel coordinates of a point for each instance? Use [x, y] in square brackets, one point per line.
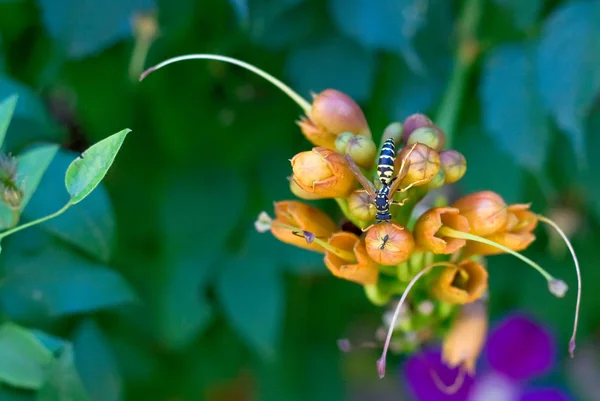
[361, 206]
[361, 269]
[394, 131]
[521, 219]
[427, 226]
[486, 212]
[389, 244]
[424, 164]
[362, 150]
[462, 283]
[11, 195]
[323, 172]
[454, 165]
[437, 182]
[300, 193]
[430, 136]
[332, 113]
[465, 339]
[413, 122]
[305, 218]
[341, 142]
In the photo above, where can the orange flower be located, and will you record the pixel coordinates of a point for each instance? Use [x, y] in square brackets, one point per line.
[485, 211]
[332, 113]
[360, 269]
[305, 218]
[323, 172]
[465, 339]
[462, 283]
[424, 164]
[516, 234]
[427, 226]
[389, 244]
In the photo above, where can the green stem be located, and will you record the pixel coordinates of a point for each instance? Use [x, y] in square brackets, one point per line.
[305, 105]
[449, 232]
[35, 222]
[466, 55]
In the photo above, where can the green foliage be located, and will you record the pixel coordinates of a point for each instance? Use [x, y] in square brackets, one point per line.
[153, 285]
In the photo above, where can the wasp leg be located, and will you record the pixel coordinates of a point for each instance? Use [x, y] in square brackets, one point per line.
[368, 227]
[404, 166]
[399, 203]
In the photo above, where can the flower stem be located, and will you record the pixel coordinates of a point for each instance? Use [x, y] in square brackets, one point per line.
[577, 269]
[35, 222]
[305, 105]
[466, 55]
[381, 360]
[449, 232]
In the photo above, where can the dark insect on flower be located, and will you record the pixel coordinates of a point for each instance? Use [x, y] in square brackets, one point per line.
[384, 241]
[383, 197]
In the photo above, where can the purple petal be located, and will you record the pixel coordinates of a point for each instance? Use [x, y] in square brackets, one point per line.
[520, 348]
[547, 394]
[418, 372]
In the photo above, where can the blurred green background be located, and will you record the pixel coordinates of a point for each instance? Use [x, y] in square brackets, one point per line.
[158, 283]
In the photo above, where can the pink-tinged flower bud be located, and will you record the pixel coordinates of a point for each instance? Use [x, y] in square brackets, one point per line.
[486, 212]
[423, 164]
[332, 113]
[305, 218]
[430, 136]
[462, 283]
[361, 206]
[454, 165]
[427, 227]
[323, 172]
[465, 339]
[414, 122]
[360, 268]
[389, 244]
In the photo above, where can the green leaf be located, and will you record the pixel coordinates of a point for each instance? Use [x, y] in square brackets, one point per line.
[189, 211]
[89, 225]
[64, 382]
[33, 163]
[524, 13]
[22, 357]
[512, 110]
[84, 28]
[568, 66]
[252, 296]
[334, 54]
[96, 363]
[7, 108]
[86, 172]
[43, 280]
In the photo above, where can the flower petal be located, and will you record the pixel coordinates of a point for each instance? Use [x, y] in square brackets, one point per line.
[546, 394]
[418, 372]
[520, 348]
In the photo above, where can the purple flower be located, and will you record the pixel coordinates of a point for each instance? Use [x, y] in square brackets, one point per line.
[517, 350]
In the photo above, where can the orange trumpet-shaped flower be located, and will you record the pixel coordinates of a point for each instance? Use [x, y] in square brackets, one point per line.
[485, 211]
[428, 225]
[462, 283]
[389, 244]
[358, 268]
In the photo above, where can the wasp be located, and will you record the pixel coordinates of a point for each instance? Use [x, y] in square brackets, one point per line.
[382, 198]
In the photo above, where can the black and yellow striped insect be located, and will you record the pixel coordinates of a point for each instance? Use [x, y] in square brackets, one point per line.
[383, 198]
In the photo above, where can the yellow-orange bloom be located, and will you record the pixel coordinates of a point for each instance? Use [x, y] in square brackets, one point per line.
[389, 244]
[485, 211]
[465, 339]
[462, 283]
[360, 269]
[428, 224]
[332, 113]
[323, 172]
[305, 218]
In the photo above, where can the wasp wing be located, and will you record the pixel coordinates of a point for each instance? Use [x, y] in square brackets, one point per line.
[364, 181]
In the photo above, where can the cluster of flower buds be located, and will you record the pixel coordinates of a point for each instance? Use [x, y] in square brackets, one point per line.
[10, 191]
[434, 261]
[389, 256]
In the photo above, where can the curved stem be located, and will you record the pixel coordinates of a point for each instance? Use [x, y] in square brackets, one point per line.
[381, 360]
[578, 270]
[305, 105]
[35, 222]
[449, 232]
